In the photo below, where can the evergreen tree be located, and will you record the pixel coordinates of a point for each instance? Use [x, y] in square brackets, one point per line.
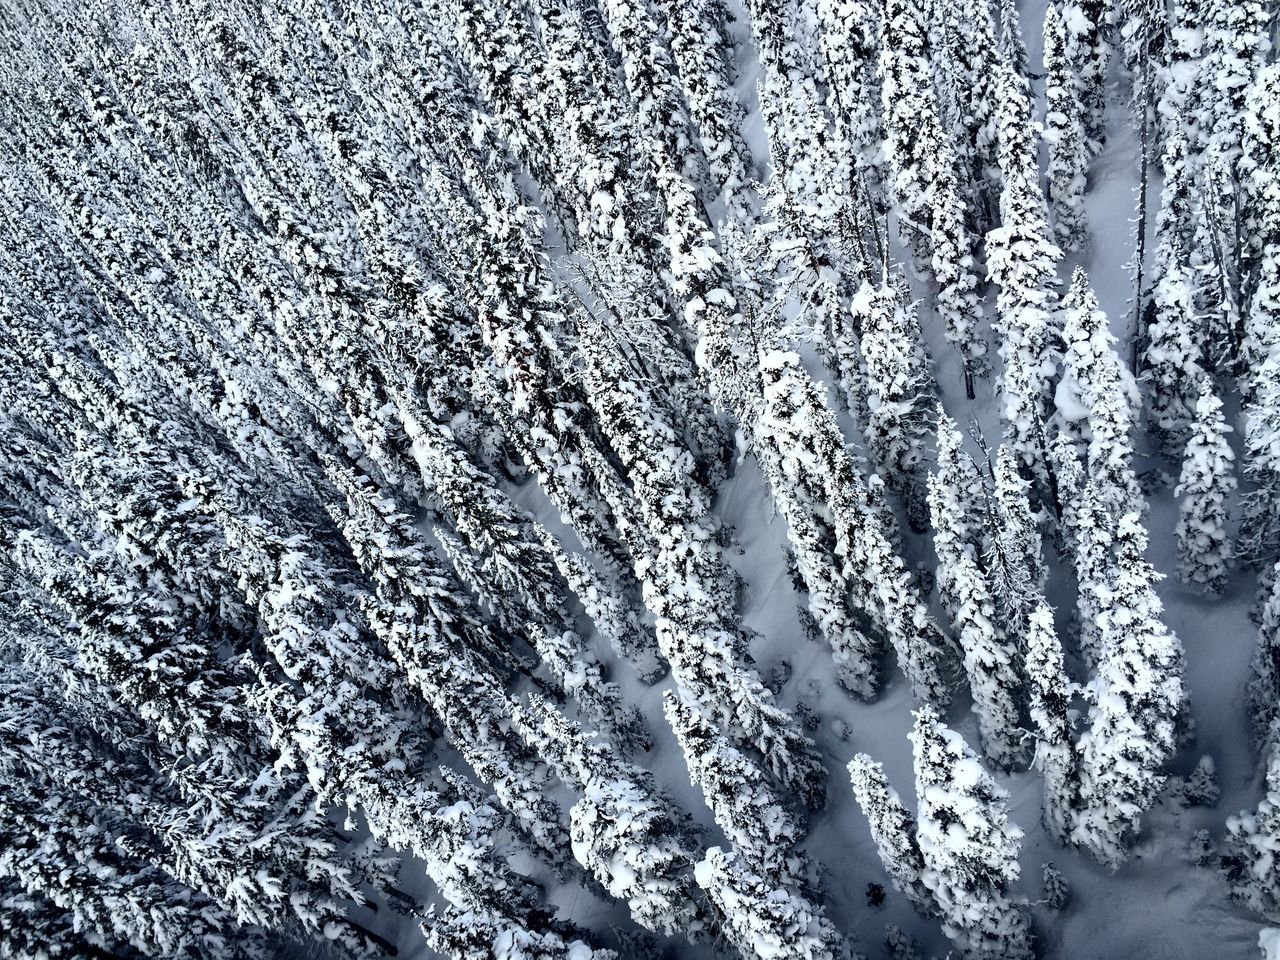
[1014, 555]
[1264, 681]
[1021, 260]
[900, 390]
[1012, 47]
[1250, 863]
[1050, 695]
[623, 831]
[968, 846]
[702, 51]
[1088, 51]
[1175, 338]
[966, 594]
[1096, 390]
[1207, 480]
[1260, 346]
[57, 847]
[849, 39]
[760, 920]
[893, 828]
[912, 121]
[1137, 699]
[813, 454]
[967, 50]
[1064, 134]
[1235, 45]
[952, 264]
[764, 835]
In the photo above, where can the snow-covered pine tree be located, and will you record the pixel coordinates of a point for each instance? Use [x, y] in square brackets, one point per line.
[1207, 480]
[36, 928]
[1013, 48]
[967, 50]
[811, 186]
[593, 118]
[1250, 863]
[962, 482]
[1098, 394]
[1259, 187]
[893, 828]
[1264, 681]
[1065, 137]
[57, 846]
[702, 50]
[900, 391]
[952, 264]
[763, 833]
[687, 582]
[471, 934]
[1088, 51]
[965, 593]
[1261, 347]
[912, 121]
[1144, 43]
[259, 850]
[626, 833]
[1014, 554]
[1021, 259]
[968, 846]
[1175, 337]
[1237, 38]
[849, 39]
[846, 629]
[762, 921]
[1184, 47]
[1137, 700]
[812, 452]
[1050, 702]
[1068, 484]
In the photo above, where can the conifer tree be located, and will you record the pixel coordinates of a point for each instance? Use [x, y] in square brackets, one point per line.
[764, 835]
[912, 121]
[1175, 337]
[966, 594]
[813, 453]
[1015, 557]
[59, 848]
[967, 50]
[968, 846]
[760, 920]
[1260, 345]
[1137, 699]
[701, 49]
[893, 828]
[1250, 863]
[900, 390]
[1235, 44]
[1264, 680]
[1050, 701]
[1207, 480]
[849, 39]
[1096, 390]
[629, 836]
[1012, 47]
[1021, 260]
[1088, 51]
[952, 264]
[1064, 134]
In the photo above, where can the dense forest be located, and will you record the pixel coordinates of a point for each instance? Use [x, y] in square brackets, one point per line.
[608, 479]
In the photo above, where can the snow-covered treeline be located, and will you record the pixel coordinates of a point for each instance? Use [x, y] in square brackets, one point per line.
[397, 397]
